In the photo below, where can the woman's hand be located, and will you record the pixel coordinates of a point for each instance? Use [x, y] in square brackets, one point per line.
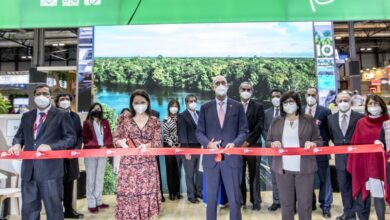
[381, 143]
[122, 143]
[309, 144]
[144, 146]
[276, 144]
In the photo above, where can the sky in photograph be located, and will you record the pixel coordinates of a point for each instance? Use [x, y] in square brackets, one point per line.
[285, 39]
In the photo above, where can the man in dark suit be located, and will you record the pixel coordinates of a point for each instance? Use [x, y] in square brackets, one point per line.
[320, 114]
[72, 171]
[341, 128]
[187, 123]
[255, 118]
[44, 129]
[269, 114]
[222, 123]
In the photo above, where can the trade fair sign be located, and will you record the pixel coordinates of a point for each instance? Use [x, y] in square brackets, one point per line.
[77, 13]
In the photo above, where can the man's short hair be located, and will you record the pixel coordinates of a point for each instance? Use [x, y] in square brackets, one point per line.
[246, 83]
[64, 94]
[42, 86]
[190, 96]
[276, 90]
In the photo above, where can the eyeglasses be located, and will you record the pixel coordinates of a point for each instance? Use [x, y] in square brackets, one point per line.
[218, 83]
[289, 102]
[42, 93]
[246, 90]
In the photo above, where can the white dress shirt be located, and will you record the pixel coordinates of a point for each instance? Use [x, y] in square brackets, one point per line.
[291, 139]
[313, 109]
[348, 113]
[38, 118]
[245, 104]
[224, 106]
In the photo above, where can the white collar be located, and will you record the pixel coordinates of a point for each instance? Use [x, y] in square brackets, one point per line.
[46, 110]
[348, 113]
[224, 101]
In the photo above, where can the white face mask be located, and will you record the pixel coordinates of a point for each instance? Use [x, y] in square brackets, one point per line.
[344, 106]
[310, 100]
[173, 110]
[276, 102]
[290, 108]
[221, 90]
[140, 108]
[246, 95]
[42, 101]
[374, 110]
[192, 106]
[64, 104]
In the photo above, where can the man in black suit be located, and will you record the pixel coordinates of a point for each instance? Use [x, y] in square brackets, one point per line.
[320, 114]
[72, 171]
[44, 129]
[255, 117]
[269, 114]
[187, 122]
[341, 128]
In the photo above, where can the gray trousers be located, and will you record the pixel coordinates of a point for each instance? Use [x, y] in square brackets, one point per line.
[275, 191]
[95, 168]
[194, 178]
[303, 184]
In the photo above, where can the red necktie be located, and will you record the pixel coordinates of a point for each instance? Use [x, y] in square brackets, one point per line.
[37, 126]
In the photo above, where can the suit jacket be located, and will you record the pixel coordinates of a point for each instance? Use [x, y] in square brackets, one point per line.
[255, 118]
[57, 131]
[89, 136]
[321, 117]
[72, 170]
[336, 135]
[234, 130]
[307, 131]
[187, 129]
[268, 116]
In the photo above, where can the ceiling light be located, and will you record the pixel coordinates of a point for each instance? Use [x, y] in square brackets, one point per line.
[369, 49]
[338, 38]
[362, 49]
[29, 57]
[23, 57]
[61, 44]
[55, 45]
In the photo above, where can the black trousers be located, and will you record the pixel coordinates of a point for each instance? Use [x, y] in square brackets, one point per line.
[159, 175]
[50, 191]
[344, 180]
[194, 178]
[254, 179]
[68, 195]
[173, 176]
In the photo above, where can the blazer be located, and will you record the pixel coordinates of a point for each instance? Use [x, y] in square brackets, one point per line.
[307, 131]
[268, 116]
[321, 118]
[255, 118]
[234, 130]
[336, 135]
[72, 170]
[57, 131]
[89, 136]
[187, 129]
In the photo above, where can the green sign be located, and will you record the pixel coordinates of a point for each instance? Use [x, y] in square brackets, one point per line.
[75, 13]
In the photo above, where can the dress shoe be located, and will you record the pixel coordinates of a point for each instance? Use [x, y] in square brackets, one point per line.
[326, 213]
[199, 196]
[103, 206]
[344, 217]
[171, 197]
[73, 214]
[162, 199]
[93, 210]
[193, 200]
[313, 208]
[274, 207]
[178, 196]
[256, 207]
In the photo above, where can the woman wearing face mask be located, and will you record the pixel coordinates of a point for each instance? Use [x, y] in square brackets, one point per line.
[138, 190]
[171, 139]
[96, 135]
[367, 169]
[293, 128]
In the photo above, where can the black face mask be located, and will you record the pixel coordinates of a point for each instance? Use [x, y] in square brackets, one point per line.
[97, 114]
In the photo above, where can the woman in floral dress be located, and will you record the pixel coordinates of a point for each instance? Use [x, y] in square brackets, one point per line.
[138, 190]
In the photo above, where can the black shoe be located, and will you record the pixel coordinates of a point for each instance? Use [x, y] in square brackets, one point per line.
[274, 207]
[256, 207]
[313, 208]
[73, 215]
[178, 196]
[344, 217]
[326, 213]
[171, 197]
[199, 196]
[193, 200]
[162, 199]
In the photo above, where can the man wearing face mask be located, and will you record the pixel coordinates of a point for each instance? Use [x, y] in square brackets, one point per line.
[43, 129]
[269, 114]
[72, 172]
[187, 123]
[341, 127]
[255, 116]
[222, 124]
[320, 114]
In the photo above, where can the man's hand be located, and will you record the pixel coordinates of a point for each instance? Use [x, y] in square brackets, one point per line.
[213, 144]
[188, 156]
[44, 147]
[15, 150]
[276, 144]
[309, 144]
[245, 144]
[230, 145]
[122, 143]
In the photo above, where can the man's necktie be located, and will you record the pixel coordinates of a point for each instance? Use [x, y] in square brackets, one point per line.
[221, 114]
[37, 126]
[196, 118]
[344, 124]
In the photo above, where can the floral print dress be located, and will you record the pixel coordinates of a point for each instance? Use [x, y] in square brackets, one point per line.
[138, 190]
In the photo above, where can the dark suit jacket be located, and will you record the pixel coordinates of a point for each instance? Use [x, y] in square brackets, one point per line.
[255, 117]
[336, 135]
[307, 131]
[235, 130]
[321, 116]
[72, 170]
[187, 130]
[57, 131]
[268, 116]
[89, 136]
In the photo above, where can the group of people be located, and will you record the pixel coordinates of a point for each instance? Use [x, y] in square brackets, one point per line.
[220, 123]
